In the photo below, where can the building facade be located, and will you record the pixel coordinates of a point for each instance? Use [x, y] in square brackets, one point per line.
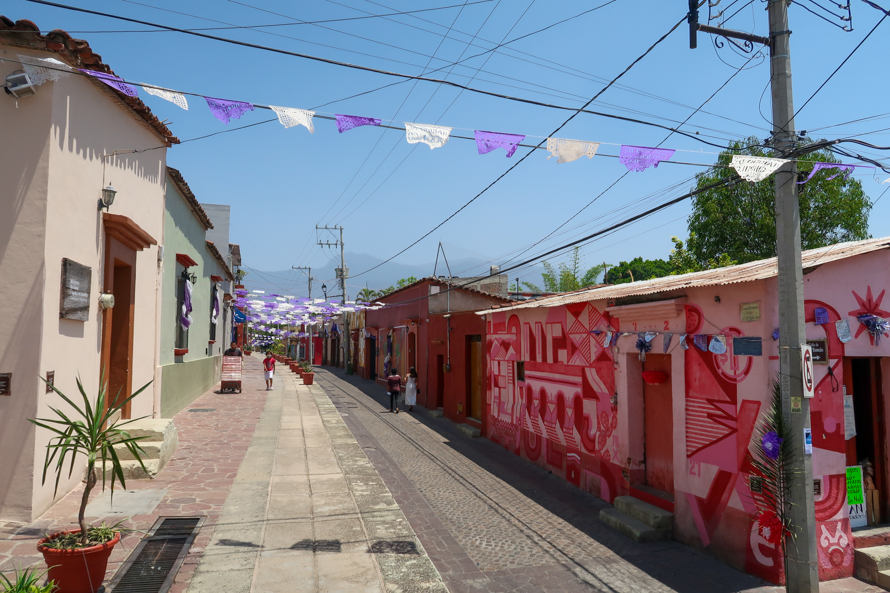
[61, 252]
[677, 429]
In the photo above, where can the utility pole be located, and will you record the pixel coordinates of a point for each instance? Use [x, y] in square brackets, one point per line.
[801, 562]
[342, 275]
[801, 566]
[311, 349]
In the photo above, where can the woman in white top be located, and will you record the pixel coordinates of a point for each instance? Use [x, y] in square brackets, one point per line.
[411, 389]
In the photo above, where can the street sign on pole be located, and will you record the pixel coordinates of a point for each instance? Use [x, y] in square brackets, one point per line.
[806, 370]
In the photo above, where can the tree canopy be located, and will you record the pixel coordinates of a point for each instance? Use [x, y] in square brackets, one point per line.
[738, 222]
[637, 269]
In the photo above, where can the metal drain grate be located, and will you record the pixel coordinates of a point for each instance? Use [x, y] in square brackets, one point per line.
[318, 545]
[154, 563]
[202, 410]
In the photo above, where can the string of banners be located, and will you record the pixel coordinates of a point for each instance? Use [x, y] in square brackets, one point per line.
[875, 326]
[634, 158]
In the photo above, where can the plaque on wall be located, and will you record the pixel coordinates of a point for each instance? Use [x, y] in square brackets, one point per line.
[749, 311]
[50, 381]
[5, 383]
[75, 294]
[820, 350]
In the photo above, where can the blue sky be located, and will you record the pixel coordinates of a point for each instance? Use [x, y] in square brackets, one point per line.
[281, 182]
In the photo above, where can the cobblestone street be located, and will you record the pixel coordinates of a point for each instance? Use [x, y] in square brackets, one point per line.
[491, 521]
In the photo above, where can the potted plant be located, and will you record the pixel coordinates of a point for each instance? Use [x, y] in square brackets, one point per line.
[77, 558]
[307, 372]
[26, 581]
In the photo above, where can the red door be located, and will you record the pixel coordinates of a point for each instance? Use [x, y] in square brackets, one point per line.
[659, 426]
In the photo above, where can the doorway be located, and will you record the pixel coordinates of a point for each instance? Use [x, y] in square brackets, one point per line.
[474, 376]
[863, 381]
[658, 418]
[412, 343]
[371, 349]
[440, 380]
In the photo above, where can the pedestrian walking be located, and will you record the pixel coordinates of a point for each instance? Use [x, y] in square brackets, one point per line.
[233, 351]
[411, 389]
[394, 382]
[269, 369]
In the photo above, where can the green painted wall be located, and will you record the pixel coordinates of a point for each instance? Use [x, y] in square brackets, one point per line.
[182, 383]
[184, 378]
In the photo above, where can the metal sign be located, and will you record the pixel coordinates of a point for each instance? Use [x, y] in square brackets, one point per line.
[806, 363]
[5, 383]
[820, 350]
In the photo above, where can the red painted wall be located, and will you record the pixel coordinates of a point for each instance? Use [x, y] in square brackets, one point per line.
[455, 382]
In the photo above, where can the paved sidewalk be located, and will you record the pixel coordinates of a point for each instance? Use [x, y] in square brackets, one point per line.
[196, 481]
[308, 511]
[492, 521]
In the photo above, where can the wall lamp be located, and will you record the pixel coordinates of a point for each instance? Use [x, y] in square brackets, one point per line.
[107, 197]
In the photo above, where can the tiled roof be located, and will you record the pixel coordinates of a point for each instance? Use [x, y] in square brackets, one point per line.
[78, 53]
[749, 272]
[186, 192]
[455, 285]
[220, 259]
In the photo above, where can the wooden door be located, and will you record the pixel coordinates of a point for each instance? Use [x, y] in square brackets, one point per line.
[475, 376]
[659, 426]
[117, 323]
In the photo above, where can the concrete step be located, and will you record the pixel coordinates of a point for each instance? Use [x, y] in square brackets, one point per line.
[468, 430]
[152, 450]
[869, 562]
[157, 429]
[644, 512]
[631, 528]
[435, 413]
[883, 580]
[160, 443]
[132, 470]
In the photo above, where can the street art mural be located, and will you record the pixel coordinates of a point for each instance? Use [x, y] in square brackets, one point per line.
[551, 397]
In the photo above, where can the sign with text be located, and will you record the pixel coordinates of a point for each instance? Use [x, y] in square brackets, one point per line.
[806, 364]
[855, 497]
[5, 383]
[820, 350]
[750, 311]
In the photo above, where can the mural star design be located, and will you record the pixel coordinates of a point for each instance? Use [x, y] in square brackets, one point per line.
[868, 306]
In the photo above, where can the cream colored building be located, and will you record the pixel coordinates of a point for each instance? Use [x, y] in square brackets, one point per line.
[59, 252]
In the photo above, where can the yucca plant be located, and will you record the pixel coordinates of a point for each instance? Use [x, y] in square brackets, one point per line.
[88, 432]
[26, 581]
[772, 461]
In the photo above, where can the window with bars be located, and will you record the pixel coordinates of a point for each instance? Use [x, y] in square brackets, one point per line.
[182, 334]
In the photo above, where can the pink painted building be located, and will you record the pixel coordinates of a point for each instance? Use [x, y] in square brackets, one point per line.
[559, 398]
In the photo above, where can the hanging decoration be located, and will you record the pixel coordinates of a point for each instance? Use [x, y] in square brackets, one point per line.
[701, 342]
[290, 117]
[567, 151]
[41, 70]
[842, 326]
[650, 336]
[846, 170]
[177, 99]
[185, 315]
[876, 326]
[225, 110]
[643, 346]
[432, 136]
[718, 345]
[608, 339]
[113, 81]
[214, 315]
[488, 141]
[772, 444]
[347, 122]
[683, 343]
[667, 342]
[821, 314]
[769, 527]
[755, 168]
[640, 158]
[776, 334]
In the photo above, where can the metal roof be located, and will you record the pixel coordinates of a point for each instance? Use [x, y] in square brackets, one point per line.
[755, 270]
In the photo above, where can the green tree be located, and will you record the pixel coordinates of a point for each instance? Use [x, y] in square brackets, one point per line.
[681, 261]
[739, 221]
[568, 276]
[637, 269]
[403, 282]
[366, 295]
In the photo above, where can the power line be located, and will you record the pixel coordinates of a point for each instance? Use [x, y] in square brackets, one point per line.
[530, 152]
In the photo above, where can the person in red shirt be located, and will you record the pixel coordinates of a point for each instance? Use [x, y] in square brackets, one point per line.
[269, 370]
[394, 382]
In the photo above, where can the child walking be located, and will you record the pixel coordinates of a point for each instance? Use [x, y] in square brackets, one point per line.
[269, 368]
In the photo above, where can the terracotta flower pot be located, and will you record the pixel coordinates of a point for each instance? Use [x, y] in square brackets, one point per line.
[77, 571]
[307, 378]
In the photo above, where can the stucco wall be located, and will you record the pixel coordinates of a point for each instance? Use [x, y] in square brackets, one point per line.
[64, 131]
[182, 383]
[24, 169]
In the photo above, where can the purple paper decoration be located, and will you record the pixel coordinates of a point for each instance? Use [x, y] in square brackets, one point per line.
[701, 342]
[821, 315]
[847, 170]
[876, 326]
[772, 444]
[776, 334]
[185, 317]
[488, 141]
[640, 158]
[643, 346]
[225, 110]
[113, 81]
[347, 122]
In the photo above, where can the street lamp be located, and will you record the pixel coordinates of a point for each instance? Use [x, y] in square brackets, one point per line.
[107, 197]
[324, 289]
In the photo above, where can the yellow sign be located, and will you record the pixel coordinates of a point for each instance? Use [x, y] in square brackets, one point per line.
[750, 311]
[796, 405]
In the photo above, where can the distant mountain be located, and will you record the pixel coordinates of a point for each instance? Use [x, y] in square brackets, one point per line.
[293, 282]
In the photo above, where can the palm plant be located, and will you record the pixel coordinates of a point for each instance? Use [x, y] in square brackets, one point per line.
[89, 432]
[26, 581]
[366, 295]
